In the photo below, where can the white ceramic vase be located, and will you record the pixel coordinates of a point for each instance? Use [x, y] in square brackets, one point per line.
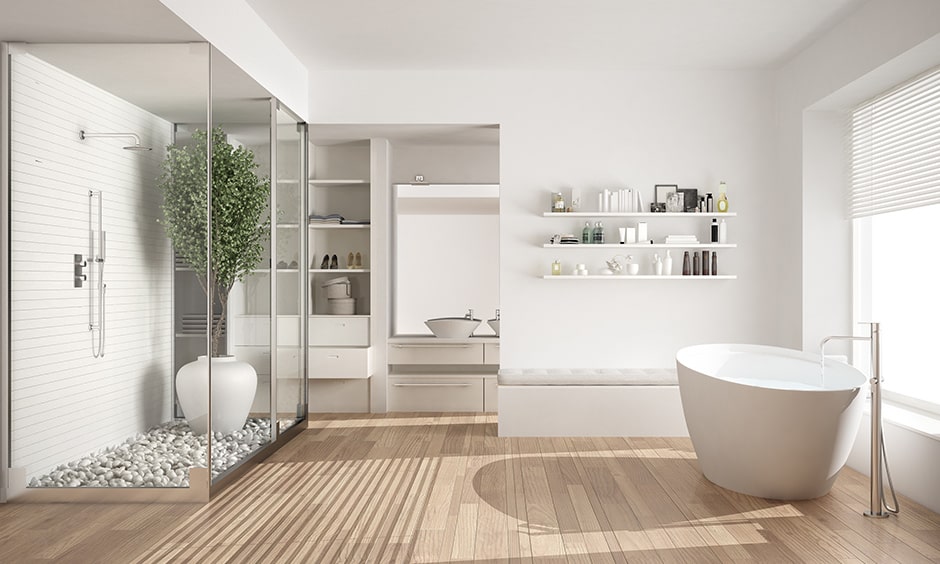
[233, 391]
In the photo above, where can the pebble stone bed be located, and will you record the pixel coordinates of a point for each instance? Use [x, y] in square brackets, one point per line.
[161, 457]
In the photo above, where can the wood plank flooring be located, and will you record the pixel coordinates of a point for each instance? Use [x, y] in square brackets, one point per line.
[445, 488]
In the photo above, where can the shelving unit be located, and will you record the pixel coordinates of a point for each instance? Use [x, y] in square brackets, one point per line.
[652, 226]
[339, 346]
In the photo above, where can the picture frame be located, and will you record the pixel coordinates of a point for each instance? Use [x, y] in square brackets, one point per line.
[661, 190]
[690, 199]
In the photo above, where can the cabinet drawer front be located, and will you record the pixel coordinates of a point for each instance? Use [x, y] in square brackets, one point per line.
[334, 362]
[431, 353]
[256, 331]
[428, 393]
[339, 331]
[491, 353]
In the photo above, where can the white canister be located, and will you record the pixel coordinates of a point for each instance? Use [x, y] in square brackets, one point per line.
[341, 306]
[641, 234]
[337, 288]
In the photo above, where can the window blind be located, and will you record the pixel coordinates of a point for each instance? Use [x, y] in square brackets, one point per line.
[894, 149]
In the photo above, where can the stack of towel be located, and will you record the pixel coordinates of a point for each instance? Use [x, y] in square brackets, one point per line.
[331, 218]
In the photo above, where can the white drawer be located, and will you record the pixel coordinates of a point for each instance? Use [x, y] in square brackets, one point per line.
[338, 331]
[430, 393]
[337, 362]
[259, 357]
[491, 353]
[435, 353]
[256, 330]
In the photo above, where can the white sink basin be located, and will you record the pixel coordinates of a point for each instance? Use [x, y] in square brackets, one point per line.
[494, 323]
[452, 327]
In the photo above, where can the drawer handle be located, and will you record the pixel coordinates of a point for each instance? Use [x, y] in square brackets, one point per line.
[430, 346]
[433, 385]
[332, 356]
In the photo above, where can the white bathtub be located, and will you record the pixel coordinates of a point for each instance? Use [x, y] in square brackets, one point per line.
[762, 420]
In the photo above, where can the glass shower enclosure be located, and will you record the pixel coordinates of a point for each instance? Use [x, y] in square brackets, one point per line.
[155, 283]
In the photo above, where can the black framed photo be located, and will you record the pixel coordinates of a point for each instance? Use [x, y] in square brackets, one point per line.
[690, 199]
[660, 191]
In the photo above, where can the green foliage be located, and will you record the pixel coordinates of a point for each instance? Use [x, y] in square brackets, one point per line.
[239, 199]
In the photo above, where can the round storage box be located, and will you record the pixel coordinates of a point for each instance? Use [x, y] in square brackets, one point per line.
[337, 288]
[342, 306]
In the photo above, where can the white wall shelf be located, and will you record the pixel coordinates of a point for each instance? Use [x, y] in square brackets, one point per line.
[339, 271]
[338, 226]
[336, 182]
[643, 246]
[637, 214]
[638, 277]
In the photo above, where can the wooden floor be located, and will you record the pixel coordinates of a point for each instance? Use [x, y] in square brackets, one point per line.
[445, 488]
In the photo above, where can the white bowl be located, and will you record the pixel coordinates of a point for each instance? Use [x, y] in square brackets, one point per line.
[452, 327]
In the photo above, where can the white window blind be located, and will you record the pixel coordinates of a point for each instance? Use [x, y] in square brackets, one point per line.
[894, 149]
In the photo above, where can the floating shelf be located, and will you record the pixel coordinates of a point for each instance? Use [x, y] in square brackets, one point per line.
[636, 214]
[278, 270]
[644, 246]
[638, 277]
[338, 316]
[338, 226]
[339, 270]
[336, 182]
[288, 226]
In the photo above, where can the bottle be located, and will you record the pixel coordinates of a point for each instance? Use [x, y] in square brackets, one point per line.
[598, 233]
[558, 202]
[709, 203]
[705, 263]
[714, 230]
[556, 269]
[667, 263]
[586, 234]
[714, 264]
[686, 264]
[658, 266]
[722, 197]
[696, 266]
[722, 232]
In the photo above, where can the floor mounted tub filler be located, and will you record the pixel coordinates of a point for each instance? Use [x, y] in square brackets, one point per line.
[767, 421]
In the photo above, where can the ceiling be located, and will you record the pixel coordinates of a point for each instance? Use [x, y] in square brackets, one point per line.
[548, 34]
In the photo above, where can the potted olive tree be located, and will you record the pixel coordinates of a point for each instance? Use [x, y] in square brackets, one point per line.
[239, 230]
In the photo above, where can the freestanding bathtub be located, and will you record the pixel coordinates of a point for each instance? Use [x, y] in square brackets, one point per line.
[767, 421]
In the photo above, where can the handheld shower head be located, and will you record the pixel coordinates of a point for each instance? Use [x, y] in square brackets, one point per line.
[135, 147]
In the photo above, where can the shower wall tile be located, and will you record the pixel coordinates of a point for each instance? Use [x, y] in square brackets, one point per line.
[65, 402]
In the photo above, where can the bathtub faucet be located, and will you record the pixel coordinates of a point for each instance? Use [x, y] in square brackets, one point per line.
[877, 502]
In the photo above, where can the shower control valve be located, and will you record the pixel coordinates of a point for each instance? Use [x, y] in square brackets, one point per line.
[79, 265]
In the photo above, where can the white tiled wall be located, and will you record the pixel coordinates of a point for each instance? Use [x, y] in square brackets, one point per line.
[65, 402]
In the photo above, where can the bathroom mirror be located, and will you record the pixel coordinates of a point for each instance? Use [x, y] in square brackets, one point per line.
[446, 231]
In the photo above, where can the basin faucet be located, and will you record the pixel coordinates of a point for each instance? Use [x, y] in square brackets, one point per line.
[469, 314]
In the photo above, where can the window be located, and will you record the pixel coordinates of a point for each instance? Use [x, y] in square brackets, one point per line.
[894, 159]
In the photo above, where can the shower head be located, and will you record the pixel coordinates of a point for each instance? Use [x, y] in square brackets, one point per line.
[135, 147]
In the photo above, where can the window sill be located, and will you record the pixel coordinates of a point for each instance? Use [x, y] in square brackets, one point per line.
[910, 418]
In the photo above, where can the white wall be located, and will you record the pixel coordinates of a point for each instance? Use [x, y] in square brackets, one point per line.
[597, 130]
[878, 46]
[66, 403]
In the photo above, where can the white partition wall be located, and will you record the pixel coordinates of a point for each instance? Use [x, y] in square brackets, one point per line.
[65, 402]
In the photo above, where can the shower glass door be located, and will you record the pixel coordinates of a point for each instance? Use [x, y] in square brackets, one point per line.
[244, 265]
[290, 189]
